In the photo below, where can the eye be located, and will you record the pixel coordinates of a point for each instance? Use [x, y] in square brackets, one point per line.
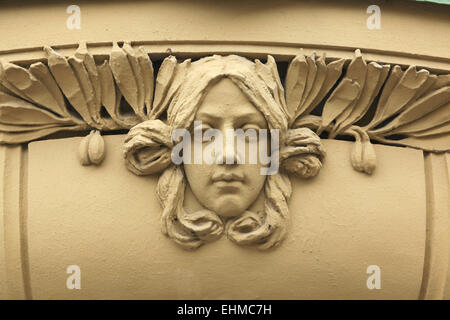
[250, 129]
[248, 126]
[251, 132]
[206, 127]
[203, 127]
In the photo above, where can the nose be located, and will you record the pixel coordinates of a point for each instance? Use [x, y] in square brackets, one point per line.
[228, 155]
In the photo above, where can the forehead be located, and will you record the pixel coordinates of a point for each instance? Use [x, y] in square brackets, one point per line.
[226, 100]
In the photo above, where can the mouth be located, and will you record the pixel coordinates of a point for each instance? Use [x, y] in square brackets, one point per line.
[227, 177]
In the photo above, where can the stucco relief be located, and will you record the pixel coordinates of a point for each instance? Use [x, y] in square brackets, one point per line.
[397, 105]
[224, 92]
[366, 101]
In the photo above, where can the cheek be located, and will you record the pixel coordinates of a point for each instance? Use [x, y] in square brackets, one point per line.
[198, 176]
[254, 179]
[257, 153]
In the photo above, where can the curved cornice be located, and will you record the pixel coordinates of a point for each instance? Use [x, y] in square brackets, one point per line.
[329, 91]
[282, 51]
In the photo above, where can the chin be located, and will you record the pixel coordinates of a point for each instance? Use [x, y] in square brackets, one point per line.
[229, 206]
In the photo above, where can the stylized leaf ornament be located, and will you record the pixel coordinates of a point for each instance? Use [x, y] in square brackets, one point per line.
[366, 100]
[412, 109]
[307, 82]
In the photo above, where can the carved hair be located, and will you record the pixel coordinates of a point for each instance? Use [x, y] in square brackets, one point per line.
[148, 146]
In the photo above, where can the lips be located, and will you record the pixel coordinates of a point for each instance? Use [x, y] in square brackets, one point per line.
[227, 177]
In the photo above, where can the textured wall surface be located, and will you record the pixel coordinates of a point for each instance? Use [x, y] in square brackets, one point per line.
[406, 27]
[55, 213]
[106, 220]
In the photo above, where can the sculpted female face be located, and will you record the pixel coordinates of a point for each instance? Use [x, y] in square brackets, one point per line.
[228, 189]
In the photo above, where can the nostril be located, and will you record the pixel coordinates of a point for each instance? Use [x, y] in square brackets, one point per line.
[228, 157]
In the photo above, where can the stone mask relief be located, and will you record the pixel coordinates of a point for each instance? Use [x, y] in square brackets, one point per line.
[224, 92]
[332, 98]
[226, 189]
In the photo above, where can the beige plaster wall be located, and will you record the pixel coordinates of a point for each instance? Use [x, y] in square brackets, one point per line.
[407, 28]
[106, 220]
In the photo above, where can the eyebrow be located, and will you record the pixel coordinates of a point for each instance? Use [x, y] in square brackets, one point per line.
[207, 116]
[245, 116]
